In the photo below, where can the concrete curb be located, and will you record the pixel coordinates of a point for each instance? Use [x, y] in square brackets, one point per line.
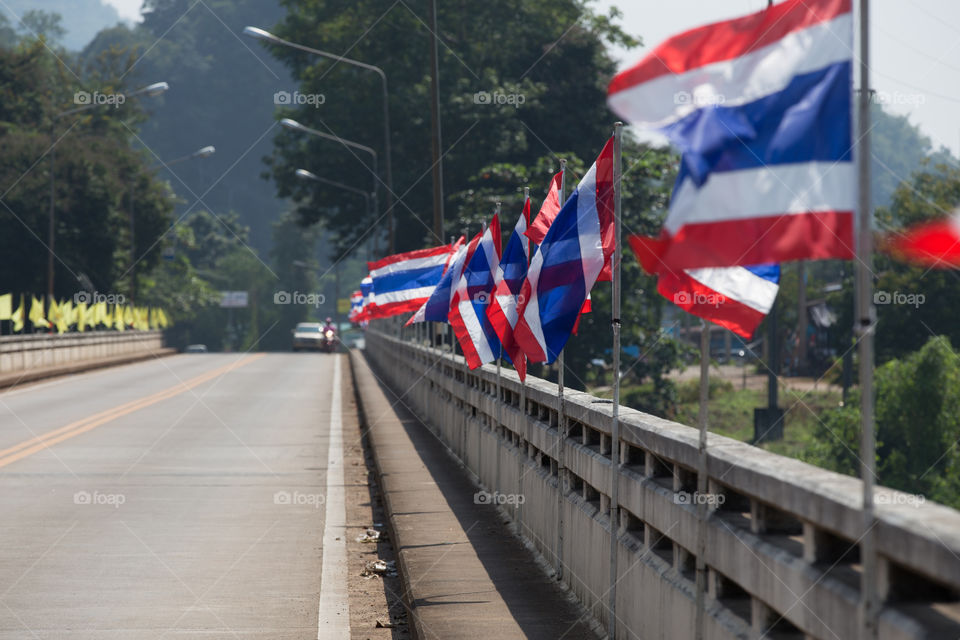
[464, 574]
[32, 375]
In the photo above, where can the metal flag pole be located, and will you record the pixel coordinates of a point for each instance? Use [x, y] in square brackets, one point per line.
[702, 485]
[866, 318]
[523, 384]
[561, 421]
[499, 358]
[615, 423]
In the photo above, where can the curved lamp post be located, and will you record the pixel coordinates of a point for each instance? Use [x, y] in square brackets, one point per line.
[151, 90]
[266, 36]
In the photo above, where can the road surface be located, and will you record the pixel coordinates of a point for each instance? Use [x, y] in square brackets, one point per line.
[184, 497]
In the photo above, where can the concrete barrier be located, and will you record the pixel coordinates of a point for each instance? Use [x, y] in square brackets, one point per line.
[42, 351]
[782, 536]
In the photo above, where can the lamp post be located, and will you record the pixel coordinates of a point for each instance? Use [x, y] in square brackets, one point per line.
[261, 34]
[203, 152]
[154, 89]
[293, 125]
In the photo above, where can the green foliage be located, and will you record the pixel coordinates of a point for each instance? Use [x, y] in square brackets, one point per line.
[689, 391]
[486, 145]
[918, 425]
[100, 181]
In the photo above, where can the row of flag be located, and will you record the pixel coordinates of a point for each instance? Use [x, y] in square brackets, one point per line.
[67, 315]
[766, 176]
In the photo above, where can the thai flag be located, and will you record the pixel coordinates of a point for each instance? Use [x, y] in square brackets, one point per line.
[356, 304]
[736, 298]
[760, 106]
[468, 309]
[933, 244]
[508, 280]
[404, 281]
[565, 268]
[548, 211]
[437, 306]
[366, 300]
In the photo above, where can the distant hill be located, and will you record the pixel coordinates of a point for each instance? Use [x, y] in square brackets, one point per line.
[82, 19]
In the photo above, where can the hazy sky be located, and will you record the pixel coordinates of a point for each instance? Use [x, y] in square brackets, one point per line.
[915, 49]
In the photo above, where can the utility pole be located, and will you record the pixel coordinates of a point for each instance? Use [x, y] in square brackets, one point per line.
[435, 121]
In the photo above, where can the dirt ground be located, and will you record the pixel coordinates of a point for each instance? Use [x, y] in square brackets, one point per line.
[377, 611]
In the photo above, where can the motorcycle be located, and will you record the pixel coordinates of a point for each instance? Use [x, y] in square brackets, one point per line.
[329, 343]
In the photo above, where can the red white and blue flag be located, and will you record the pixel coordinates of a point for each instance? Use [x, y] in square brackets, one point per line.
[437, 306]
[404, 281]
[366, 300]
[736, 298]
[760, 106]
[567, 264]
[356, 305]
[507, 282]
[468, 309]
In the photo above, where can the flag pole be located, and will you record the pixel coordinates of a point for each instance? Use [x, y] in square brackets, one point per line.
[702, 485]
[866, 318]
[523, 381]
[561, 421]
[615, 423]
[496, 430]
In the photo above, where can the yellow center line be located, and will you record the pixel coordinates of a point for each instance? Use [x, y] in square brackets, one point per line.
[39, 443]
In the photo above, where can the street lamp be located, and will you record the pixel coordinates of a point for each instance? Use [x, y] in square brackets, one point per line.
[203, 152]
[266, 36]
[293, 125]
[303, 174]
[151, 90]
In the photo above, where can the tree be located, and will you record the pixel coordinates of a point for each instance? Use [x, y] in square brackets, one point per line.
[98, 175]
[918, 425]
[513, 91]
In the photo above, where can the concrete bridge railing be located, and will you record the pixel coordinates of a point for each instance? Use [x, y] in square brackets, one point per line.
[782, 536]
[36, 351]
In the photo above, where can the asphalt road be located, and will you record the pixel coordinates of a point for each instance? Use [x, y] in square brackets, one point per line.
[178, 498]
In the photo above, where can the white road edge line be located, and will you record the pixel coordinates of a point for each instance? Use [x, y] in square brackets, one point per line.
[333, 622]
